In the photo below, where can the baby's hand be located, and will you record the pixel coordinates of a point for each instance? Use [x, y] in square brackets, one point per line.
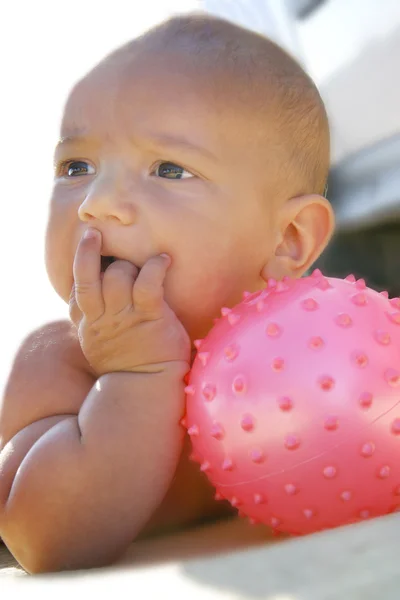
[123, 321]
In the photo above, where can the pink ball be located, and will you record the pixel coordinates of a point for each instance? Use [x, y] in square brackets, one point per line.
[293, 404]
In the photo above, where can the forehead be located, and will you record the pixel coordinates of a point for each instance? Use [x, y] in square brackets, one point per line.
[120, 96]
[129, 95]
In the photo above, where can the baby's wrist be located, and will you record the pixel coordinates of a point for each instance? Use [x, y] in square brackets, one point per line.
[171, 367]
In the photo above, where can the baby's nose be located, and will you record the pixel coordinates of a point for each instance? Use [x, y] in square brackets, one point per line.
[107, 201]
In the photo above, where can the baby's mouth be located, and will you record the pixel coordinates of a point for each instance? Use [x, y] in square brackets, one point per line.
[106, 261]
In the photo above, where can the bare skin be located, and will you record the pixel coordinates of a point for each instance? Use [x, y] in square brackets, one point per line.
[92, 455]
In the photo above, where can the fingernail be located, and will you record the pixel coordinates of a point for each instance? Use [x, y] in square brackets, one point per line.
[164, 255]
[90, 233]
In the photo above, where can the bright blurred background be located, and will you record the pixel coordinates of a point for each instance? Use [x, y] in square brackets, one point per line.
[350, 47]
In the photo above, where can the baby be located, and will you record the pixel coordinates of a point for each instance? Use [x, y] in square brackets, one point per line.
[191, 166]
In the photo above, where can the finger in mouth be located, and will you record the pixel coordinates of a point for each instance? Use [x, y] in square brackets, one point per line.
[106, 261]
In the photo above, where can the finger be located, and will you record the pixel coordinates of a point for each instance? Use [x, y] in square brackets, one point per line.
[148, 291]
[87, 269]
[118, 281]
[75, 313]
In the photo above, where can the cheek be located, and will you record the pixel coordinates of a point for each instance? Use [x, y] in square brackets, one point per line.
[203, 278]
[213, 264]
[61, 234]
[197, 291]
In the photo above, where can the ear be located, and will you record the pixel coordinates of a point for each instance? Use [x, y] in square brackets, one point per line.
[305, 227]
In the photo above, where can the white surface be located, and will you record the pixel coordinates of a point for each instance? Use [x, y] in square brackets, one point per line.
[358, 562]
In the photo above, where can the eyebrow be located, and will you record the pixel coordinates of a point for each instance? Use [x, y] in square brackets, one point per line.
[75, 135]
[171, 141]
[160, 140]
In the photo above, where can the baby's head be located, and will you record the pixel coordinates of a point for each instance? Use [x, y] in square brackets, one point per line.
[202, 140]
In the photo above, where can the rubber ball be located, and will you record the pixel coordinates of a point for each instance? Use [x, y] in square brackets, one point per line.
[293, 404]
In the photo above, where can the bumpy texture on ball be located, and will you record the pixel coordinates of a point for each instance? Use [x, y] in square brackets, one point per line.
[293, 404]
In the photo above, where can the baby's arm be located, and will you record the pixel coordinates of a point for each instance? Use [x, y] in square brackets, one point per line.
[83, 463]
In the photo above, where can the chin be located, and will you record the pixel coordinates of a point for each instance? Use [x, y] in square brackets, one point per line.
[196, 323]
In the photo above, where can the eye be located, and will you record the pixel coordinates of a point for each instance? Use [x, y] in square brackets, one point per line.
[168, 170]
[76, 168]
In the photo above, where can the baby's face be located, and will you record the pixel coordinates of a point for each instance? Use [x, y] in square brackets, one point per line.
[148, 159]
